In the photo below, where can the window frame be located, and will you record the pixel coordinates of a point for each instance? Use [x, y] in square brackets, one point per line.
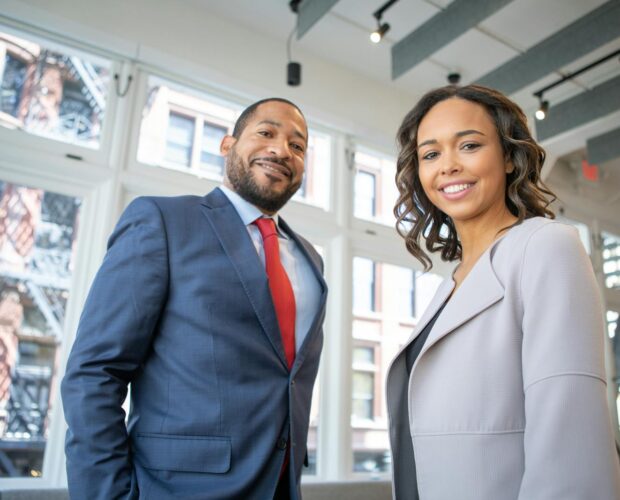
[56, 147]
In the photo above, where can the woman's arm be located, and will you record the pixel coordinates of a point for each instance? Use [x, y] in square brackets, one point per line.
[568, 443]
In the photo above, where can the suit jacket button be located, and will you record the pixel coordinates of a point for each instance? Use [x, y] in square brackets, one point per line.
[281, 444]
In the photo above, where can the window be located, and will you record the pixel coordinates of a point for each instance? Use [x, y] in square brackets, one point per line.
[377, 337]
[612, 326]
[210, 158]
[37, 236]
[363, 383]
[365, 194]
[182, 130]
[613, 331]
[179, 139]
[611, 260]
[315, 187]
[363, 396]
[364, 285]
[408, 293]
[52, 91]
[313, 430]
[375, 192]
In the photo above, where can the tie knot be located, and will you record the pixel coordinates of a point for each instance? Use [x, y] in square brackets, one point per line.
[266, 226]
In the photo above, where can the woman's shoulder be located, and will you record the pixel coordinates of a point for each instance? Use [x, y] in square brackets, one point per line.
[538, 238]
[541, 233]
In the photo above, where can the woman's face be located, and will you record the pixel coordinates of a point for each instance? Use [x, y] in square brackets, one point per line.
[461, 163]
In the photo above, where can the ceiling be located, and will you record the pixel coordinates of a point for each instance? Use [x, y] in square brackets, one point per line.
[342, 36]
[517, 29]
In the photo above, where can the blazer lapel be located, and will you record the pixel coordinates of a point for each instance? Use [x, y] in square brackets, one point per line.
[318, 317]
[442, 293]
[238, 245]
[480, 290]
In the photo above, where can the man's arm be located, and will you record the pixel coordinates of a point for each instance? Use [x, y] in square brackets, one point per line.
[113, 339]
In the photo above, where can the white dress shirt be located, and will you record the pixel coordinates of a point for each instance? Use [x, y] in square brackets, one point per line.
[305, 285]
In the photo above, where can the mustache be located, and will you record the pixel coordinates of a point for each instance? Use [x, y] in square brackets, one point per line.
[273, 159]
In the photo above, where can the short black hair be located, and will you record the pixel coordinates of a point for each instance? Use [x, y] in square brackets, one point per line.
[248, 112]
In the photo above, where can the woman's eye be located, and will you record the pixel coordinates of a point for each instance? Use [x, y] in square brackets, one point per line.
[264, 133]
[430, 155]
[469, 146]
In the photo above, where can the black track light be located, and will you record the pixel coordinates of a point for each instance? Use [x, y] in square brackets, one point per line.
[377, 35]
[382, 28]
[542, 110]
[454, 78]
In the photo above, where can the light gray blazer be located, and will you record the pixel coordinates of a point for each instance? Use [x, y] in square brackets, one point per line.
[507, 398]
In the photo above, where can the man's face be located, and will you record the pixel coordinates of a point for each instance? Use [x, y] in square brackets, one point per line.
[265, 165]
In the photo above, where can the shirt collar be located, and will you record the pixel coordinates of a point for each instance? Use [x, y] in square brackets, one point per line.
[248, 212]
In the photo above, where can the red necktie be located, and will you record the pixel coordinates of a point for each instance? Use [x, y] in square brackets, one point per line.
[280, 286]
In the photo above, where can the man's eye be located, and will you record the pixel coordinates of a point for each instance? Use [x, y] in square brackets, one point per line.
[264, 133]
[298, 147]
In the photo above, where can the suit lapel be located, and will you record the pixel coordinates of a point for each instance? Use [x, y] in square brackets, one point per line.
[318, 316]
[480, 290]
[237, 244]
[443, 292]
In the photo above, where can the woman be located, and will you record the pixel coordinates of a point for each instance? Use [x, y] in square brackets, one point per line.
[500, 392]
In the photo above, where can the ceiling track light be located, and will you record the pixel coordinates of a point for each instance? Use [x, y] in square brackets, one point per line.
[377, 35]
[293, 68]
[543, 108]
[382, 28]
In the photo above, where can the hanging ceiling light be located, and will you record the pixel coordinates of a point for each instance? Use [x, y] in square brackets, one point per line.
[382, 28]
[377, 35]
[542, 110]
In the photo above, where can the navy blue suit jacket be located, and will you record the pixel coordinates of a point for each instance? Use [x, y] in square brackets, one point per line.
[181, 310]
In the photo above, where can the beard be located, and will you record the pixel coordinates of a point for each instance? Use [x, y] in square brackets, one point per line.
[242, 180]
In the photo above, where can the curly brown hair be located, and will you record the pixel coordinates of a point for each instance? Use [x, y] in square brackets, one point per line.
[526, 194]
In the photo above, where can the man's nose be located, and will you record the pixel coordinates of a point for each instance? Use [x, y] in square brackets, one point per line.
[280, 148]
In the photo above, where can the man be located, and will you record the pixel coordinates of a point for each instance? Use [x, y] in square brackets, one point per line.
[212, 309]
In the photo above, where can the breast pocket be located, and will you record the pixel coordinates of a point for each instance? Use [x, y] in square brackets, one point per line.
[172, 452]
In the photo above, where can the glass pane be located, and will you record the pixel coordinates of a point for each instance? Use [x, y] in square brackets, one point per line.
[363, 355]
[210, 157]
[313, 431]
[180, 138]
[611, 260]
[613, 330]
[52, 92]
[404, 295]
[375, 192]
[315, 188]
[37, 239]
[364, 293]
[365, 195]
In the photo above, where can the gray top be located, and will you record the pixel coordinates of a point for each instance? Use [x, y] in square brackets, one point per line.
[405, 481]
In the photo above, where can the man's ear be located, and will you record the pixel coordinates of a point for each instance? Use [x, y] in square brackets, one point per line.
[226, 145]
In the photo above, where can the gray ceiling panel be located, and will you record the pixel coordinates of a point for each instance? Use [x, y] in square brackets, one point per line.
[310, 11]
[458, 17]
[604, 147]
[576, 40]
[583, 108]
